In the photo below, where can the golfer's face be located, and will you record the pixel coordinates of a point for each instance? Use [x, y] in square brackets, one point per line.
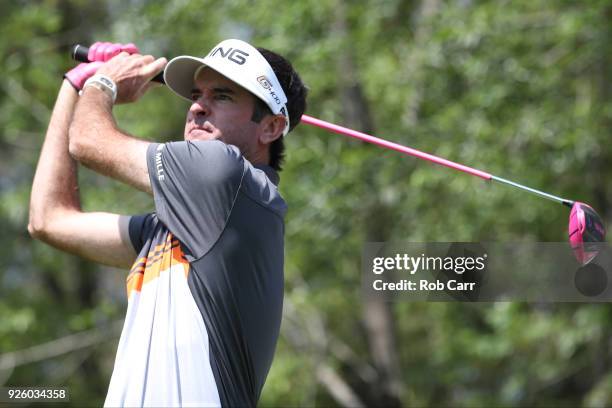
[220, 110]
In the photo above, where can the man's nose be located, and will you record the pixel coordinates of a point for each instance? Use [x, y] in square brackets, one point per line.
[199, 107]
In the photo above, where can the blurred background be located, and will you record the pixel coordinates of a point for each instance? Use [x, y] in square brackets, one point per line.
[520, 89]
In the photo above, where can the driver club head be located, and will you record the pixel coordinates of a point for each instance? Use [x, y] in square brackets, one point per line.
[586, 230]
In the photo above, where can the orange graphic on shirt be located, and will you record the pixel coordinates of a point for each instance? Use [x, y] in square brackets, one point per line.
[159, 259]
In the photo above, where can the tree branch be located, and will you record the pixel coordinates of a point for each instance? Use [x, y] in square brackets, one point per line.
[57, 347]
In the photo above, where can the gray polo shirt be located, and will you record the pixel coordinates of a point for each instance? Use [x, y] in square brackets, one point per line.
[206, 291]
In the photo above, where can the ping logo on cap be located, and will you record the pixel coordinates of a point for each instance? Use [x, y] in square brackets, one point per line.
[232, 54]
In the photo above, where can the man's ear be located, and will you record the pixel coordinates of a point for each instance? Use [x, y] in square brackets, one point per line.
[271, 128]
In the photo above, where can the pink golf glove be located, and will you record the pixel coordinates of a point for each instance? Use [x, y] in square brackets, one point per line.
[99, 53]
[79, 74]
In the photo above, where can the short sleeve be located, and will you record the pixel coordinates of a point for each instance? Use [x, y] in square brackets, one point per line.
[195, 185]
[139, 227]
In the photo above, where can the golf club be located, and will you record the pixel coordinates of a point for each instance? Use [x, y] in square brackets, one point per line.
[586, 228]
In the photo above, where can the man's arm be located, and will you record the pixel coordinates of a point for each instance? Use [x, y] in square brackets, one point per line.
[97, 142]
[55, 211]
[95, 139]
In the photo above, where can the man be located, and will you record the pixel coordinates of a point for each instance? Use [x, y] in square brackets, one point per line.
[205, 292]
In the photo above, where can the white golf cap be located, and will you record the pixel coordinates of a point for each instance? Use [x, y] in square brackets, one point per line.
[239, 62]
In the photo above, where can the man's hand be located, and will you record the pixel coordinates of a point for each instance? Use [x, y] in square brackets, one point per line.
[99, 53]
[132, 74]
[95, 139]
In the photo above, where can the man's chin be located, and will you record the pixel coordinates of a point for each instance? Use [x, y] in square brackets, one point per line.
[198, 134]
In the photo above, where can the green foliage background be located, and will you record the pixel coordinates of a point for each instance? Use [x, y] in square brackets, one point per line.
[518, 88]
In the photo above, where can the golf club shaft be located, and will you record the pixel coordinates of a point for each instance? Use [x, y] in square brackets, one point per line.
[563, 201]
[80, 53]
[426, 156]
